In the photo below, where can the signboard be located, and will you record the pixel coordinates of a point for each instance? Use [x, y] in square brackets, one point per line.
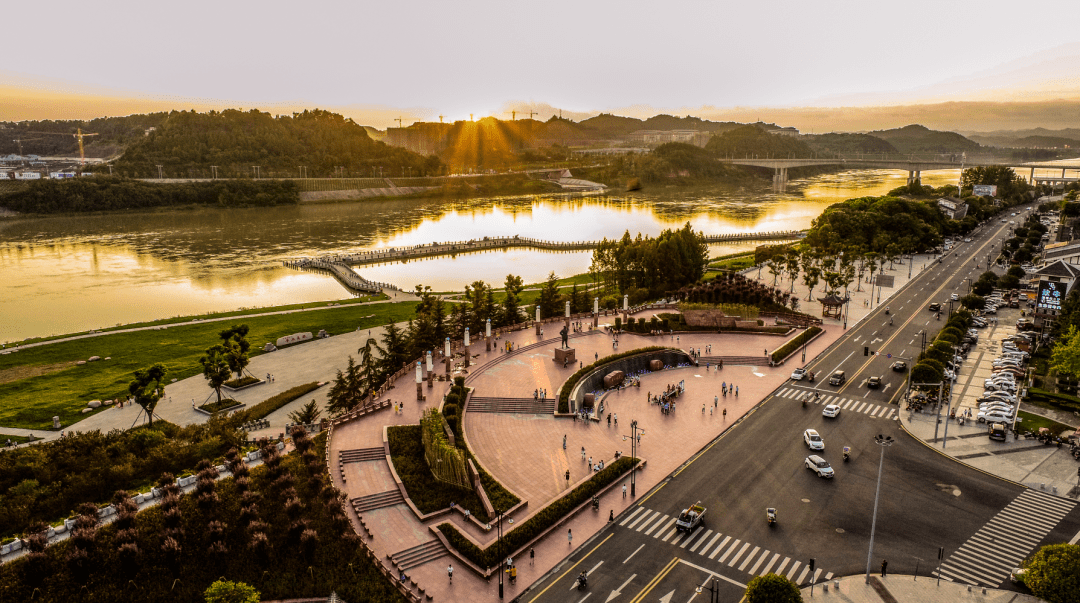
[1050, 296]
[984, 190]
[885, 282]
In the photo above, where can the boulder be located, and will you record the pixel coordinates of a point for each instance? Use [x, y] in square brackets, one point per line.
[613, 379]
[80, 363]
[109, 402]
[589, 401]
[93, 359]
[94, 403]
[86, 410]
[656, 365]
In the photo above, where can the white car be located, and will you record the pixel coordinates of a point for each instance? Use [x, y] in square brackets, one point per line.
[967, 240]
[954, 297]
[1005, 408]
[813, 440]
[798, 374]
[993, 416]
[832, 411]
[819, 466]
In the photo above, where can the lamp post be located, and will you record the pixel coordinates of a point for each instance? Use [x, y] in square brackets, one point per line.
[884, 442]
[499, 546]
[634, 435]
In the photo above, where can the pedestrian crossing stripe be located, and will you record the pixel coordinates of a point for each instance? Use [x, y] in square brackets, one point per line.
[989, 555]
[877, 411]
[723, 549]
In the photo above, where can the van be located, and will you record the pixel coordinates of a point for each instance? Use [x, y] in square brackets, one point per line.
[837, 378]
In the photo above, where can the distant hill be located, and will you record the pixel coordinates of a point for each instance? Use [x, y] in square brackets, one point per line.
[55, 138]
[753, 140]
[1031, 138]
[920, 139]
[187, 144]
[847, 143]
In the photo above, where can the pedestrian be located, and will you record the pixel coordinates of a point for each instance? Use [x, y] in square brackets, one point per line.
[725, 414]
[611, 515]
[567, 478]
[736, 391]
[532, 555]
[766, 352]
[710, 412]
[569, 537]
[703, 409]
[590, 461]
[884, 564]
[583, 453]
[715, 401]
[624, 490]
[564, 442]
[616, 415]
[609, 420]
[450, 573]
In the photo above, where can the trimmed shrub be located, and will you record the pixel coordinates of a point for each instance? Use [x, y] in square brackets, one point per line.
[785, 350]
[269, 405]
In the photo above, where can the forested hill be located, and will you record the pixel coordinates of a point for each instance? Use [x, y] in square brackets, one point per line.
[55, 137]
[187, 144]
[920, 139]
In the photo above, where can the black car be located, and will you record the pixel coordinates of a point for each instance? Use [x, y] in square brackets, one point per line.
[899, 366]
[934, 307]
[873, 382]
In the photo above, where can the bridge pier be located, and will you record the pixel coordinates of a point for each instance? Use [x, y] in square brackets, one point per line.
[1031, 178]
[914, 175]
[780, 175]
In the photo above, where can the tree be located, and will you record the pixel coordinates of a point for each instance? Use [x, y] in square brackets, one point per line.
[1065, 357]
[550, 297]
[511, 308]
[236, 344]
[772, 588]
[370, 372]
[791, 261]
[973, 302]
[148, 388]
[1053, 573]
[395, 349]
[216, 367]
[348, 389]
[225, 591]
[308, 413]
[924, 372]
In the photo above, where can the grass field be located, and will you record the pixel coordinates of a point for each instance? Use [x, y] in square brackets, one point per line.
[1034, 422]
[734, 261]
[209, 315]
[31, 402]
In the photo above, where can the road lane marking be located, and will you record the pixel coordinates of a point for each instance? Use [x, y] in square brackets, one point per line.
[656, 580]
[573, 585]
[657, 524]
[802, 576]
[634, 553]
[783, 564]
[794, 568]
[691, 537]
[718, 548]
[570, 569]
[745, 546]
[712, 573]
[748, 559]
[766, 569]
[728, 552]
[702, 539]
[761, 559]
[654, 516]
[705, 548]
[631, 516]
[618, 591]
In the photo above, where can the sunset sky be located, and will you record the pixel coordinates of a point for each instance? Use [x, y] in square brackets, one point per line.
[419, 59]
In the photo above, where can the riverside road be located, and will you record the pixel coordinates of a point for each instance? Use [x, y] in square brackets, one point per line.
[927, 500]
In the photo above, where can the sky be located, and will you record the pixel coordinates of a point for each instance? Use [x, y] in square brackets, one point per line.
[418, 59]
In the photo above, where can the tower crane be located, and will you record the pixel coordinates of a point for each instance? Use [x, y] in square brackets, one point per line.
[19, 142]
[79, 135]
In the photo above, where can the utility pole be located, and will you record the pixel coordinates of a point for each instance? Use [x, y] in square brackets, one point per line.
[160, 177]
[884, 442]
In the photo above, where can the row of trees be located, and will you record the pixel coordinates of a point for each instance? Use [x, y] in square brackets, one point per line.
[658, 265]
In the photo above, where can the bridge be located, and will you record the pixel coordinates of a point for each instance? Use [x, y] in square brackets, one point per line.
[913, 164]
[340, 265]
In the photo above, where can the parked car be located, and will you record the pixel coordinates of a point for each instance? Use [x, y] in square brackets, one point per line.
[993, 415]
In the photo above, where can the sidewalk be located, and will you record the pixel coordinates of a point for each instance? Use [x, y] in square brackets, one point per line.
[908, 589]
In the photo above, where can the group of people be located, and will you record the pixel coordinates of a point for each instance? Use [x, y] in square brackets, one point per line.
[666, 399]
[540, 394]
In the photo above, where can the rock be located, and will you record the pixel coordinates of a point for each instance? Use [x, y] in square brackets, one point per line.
[86, 410]
[109, 402]
[80, 363]
[93, 359]
[94, 403]
[108, 358]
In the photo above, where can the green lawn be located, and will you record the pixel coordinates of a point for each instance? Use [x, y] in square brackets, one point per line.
[240, 312]
[1034, 422]
[31, 403]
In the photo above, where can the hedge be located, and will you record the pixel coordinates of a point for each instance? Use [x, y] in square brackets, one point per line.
[796, 342]
[1065, 400]
[225, 404]
[568, 385]
[535, 525]
[269, 405]
[426, 492]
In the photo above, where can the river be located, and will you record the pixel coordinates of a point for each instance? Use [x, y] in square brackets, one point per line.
[67, 274]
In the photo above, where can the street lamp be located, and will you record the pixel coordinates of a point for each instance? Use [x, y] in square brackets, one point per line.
[884, 442]
[634, 435]
[499, 546]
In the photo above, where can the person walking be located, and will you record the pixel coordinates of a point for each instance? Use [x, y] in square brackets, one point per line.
[567, 478]
[624, 490]
[884, 565]
[736, 391]
[725, 414]
[450, 573]
[564, 442]
[569, 537]
[616, 415]
[532, 555]
[583, 453]
[715, 401]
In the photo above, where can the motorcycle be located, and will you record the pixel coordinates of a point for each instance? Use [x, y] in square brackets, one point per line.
[595, 503]
[582, 580]
[770, 516]
[811, 375]
[886, 310]
[847, 452]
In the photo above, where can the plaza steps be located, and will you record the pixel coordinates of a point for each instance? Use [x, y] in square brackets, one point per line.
[359, 455]
[418, 555]
[735, 360]
[525, 406]
[477, 369]
[377, 501]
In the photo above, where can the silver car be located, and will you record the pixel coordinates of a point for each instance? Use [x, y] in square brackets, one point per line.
[819, 466]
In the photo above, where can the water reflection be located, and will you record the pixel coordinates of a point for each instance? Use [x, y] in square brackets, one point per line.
[74, 273]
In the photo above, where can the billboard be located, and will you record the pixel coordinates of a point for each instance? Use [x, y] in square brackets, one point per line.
[1050, 297]
[984, 190]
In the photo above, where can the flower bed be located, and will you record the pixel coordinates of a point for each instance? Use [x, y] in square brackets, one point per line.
[225, 404]
[241, 383]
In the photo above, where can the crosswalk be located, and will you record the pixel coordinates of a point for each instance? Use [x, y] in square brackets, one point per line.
[720, 548]
[879, 411]
[999, 546]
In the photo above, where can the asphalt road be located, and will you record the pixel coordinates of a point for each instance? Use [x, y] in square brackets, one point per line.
[927, 500]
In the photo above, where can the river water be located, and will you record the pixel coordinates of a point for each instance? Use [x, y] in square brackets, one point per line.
[67, 274]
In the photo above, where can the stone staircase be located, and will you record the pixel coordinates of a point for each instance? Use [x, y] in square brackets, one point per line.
[377, 501]
[359, 455]
[738, 360]
[418, 555]
[525, 406]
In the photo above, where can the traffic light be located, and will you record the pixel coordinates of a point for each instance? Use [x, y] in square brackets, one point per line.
[866, 351]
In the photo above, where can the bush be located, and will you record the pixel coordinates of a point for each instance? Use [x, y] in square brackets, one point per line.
[269, 405]
[547, 517]
[225, 404]
[973, 302]
[235, 383]
[785, 350]
[1053, 573]
[772, 588]
[427, 493]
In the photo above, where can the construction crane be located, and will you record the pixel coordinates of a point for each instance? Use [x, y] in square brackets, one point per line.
[19, 142]
[441, 118]
[79, 135]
